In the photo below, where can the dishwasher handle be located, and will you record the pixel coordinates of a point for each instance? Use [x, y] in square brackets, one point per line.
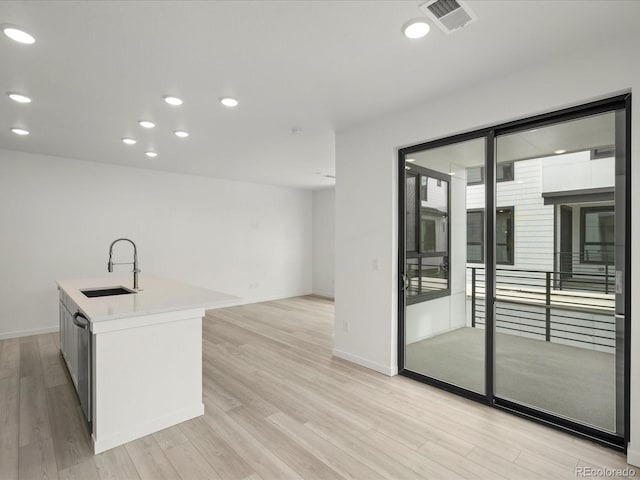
[78, 323]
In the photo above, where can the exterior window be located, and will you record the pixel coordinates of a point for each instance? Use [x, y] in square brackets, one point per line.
[504, 173]
[427, 234]
[475, 175]
[597, 235]
[475, 236]
[504, 236]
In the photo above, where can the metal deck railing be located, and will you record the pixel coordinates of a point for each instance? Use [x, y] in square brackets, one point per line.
[528, 304]
[587, 271]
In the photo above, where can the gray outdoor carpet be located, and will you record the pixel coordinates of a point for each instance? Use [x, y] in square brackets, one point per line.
[568, 381]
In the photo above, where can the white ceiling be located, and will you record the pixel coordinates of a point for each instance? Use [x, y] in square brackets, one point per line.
[323, 66]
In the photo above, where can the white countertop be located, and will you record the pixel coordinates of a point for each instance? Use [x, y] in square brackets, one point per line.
[156, 295]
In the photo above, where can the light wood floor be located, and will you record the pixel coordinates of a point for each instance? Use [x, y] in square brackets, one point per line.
[278, 406]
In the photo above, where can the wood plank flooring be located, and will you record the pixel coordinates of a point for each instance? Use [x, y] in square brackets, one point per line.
[278, 406]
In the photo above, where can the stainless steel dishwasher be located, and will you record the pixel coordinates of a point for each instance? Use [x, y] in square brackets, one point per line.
[84, 365]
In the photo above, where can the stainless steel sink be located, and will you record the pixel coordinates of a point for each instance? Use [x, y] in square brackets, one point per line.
[106, 292]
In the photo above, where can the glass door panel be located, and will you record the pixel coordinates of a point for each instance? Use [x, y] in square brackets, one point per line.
[533, 244]
[444, 264]
[555, 325]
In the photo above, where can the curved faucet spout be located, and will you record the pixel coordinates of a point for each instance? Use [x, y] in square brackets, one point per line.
[136, 270]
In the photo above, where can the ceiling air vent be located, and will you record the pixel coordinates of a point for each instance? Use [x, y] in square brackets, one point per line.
[448, 15]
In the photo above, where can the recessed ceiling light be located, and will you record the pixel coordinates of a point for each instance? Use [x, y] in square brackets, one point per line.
[129, 141]
[151, 154]
[20, 131]
[17, 97]
[228, 101]
[17, 34]
[146, 124]
[181, 133]
[416, 28]
[171, 100]
[558, 152]
[410, 160]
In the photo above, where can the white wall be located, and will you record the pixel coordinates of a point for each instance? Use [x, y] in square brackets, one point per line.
[366, 212]
[59, 216]
[576, 171]
[324, 217]
[533, 220]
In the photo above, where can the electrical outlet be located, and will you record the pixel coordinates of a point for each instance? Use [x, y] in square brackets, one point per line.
[345, 326]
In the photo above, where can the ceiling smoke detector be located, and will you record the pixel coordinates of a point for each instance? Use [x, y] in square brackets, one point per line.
[448, 15]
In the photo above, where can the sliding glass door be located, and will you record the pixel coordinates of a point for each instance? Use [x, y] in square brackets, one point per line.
[513, 285]
[444, 329]
[556, 331]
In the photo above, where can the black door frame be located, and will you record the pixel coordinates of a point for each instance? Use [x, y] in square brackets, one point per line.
[619, 102]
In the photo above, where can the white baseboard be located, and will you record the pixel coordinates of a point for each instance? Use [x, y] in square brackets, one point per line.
[276, 297]
[139, 431]
[28, 333]
[378, 367]
[328, 295]
[270, 298]
[633, 456]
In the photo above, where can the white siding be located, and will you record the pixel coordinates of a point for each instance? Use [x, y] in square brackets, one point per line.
[436, 195]
[533, 220]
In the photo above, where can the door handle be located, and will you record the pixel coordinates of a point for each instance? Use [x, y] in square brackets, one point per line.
[405, 281]
[78, 323]
[619, 282]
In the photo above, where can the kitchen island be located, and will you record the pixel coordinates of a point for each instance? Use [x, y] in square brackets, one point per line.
[135, 357]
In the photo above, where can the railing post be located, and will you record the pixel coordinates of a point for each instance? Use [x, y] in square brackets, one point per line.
[473, 297]
[547, 309]
[560, 266]
[606, 275]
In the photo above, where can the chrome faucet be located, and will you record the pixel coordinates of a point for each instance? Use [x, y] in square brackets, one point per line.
[136, 270]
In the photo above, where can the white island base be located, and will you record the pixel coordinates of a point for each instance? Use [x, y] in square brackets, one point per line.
[145, 359]
[147, 377]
